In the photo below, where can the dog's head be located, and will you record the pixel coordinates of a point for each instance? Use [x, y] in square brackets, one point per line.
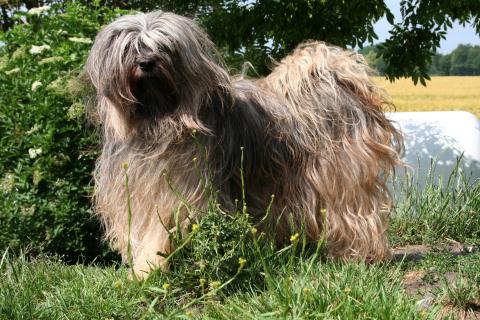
[146, 67]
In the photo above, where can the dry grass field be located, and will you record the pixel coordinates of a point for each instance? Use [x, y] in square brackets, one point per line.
[440, 94]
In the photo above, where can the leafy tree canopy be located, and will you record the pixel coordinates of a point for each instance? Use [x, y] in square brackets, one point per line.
[255, 30]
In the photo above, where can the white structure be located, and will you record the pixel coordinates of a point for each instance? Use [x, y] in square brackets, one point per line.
[442, 137]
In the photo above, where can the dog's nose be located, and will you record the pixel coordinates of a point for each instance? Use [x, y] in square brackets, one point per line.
[146, 65]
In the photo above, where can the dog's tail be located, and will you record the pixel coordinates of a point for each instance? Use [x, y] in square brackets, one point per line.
[341, 115]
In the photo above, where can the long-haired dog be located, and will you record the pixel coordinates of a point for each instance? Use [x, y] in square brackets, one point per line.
[312, 133]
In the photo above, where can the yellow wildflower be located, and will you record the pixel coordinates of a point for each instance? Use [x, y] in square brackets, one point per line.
[294, 238]
[195, 227]
[118, 284]
[241, 262]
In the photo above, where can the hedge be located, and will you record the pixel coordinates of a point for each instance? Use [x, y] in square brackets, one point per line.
[47, 148]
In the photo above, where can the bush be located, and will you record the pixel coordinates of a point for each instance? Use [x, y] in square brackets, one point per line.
[47, 150]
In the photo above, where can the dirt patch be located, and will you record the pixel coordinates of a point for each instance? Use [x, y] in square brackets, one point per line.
[418, 251]
[458, 314]
[425, 285]
[421, 282]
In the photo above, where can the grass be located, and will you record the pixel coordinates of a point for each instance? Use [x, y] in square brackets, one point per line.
[440, 94]
[228, 270]
[47, 289]
[445, 210]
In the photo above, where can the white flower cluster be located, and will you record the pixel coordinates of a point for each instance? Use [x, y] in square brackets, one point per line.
[12, 71]
[38, 11]
[39, 49]
[3, 62]
[75, 111]
[7, 183]
[80, 40]
[33, 129]
[36, 85]
[19, 53]
[33, 153]
[57, 86]
[54, 59]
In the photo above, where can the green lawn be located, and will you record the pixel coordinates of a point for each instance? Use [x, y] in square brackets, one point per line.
[210, 280]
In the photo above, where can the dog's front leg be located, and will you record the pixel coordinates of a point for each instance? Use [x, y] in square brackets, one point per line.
[149, 255]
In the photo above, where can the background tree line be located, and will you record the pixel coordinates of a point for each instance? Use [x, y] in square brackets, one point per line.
[462, 61]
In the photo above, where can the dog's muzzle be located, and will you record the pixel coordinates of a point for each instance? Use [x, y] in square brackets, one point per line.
[146, 65]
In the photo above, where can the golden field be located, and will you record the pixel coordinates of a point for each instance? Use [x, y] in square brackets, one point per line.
[440, 94]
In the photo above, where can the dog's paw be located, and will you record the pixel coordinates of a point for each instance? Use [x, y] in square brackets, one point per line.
[142, 268]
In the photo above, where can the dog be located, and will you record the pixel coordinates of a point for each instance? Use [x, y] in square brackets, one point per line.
[310, 141]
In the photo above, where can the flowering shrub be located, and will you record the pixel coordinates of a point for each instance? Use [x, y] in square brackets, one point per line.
[47, 150]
